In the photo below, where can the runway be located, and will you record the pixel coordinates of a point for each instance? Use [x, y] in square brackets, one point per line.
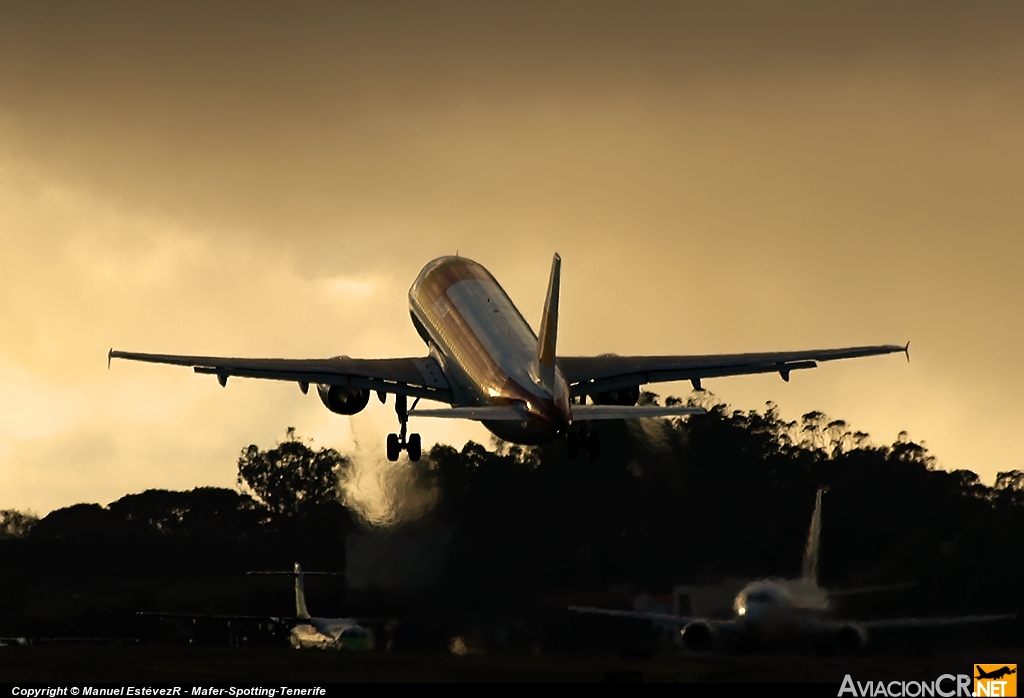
[72, 663]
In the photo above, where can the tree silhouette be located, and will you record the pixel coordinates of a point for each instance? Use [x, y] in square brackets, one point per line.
[670, 501]
[16, 524]
[291, 479]
[205, 511]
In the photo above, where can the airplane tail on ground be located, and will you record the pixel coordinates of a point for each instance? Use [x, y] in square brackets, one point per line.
[300, 589]
[549, 329]
[300, 594]
[810, 569]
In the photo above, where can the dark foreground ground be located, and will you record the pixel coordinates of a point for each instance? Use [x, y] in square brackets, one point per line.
[68, 663]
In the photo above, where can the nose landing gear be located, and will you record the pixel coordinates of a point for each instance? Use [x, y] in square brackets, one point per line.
[397, 443]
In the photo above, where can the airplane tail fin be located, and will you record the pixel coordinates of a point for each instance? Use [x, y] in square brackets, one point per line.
[549, 329]
[300, 594]
[810, 570]
[300, 588]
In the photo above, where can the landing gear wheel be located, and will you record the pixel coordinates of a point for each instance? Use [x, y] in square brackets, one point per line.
[572, 444]
[398, 442]
[394, 447]
[593, 445]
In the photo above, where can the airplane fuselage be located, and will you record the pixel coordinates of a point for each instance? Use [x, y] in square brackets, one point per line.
[486, 349]
[331, 633]
[779, 610]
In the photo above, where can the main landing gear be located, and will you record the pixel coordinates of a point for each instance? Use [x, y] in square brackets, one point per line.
[397, 442]
[585, 438]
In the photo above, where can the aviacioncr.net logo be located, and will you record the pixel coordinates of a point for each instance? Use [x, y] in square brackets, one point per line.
[995, 680]
[945, 686]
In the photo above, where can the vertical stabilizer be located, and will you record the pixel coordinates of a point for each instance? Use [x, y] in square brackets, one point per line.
[810, 571]
[300, 594]
[549, 330]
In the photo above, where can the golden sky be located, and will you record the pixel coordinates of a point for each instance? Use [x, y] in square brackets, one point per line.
[267, 180]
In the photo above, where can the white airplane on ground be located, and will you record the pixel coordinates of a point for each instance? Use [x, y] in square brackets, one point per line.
[304, 631]
[786, 613]
[487, 364]
[309, 632]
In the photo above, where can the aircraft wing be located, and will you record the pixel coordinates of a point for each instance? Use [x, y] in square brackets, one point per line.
[488, 413]
[594, 374]
[220, 616]
[416, 377]
[641, 615]
[873, 589]
[285, 621]
[933, 622]
[580, 413]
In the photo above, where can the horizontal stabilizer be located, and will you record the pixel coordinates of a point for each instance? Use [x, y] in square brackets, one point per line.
[586, 413]
[486, 413]
[291, 573]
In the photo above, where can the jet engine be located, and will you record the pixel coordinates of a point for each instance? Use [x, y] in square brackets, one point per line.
[698, 636]
[622, 396]
[850, 638]
[341, 399]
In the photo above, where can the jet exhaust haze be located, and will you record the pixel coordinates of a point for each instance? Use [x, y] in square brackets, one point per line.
[382, 493]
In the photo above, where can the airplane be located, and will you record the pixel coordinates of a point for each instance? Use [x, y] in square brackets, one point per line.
[305, 631]
[995, 673]
[309, 632]
[487, 364]
[786, 613]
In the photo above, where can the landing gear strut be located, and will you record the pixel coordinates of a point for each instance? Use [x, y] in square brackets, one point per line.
[585, 438]
[397, 442]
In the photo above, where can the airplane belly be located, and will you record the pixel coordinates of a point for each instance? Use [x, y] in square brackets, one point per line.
[525, 433]
[782, 629]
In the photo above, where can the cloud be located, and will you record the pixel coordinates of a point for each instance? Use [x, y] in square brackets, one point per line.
[84, 275]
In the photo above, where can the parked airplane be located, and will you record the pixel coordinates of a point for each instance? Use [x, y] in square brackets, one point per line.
[487, 364]
[787, 613]
[304, 631]
[309, 632]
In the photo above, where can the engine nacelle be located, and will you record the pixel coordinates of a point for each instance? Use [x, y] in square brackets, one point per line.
[341, 399]
[622, 396]
[698, 636]
[850, 638]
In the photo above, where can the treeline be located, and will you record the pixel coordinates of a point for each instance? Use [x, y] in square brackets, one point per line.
[726, 493]
[730, 493]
